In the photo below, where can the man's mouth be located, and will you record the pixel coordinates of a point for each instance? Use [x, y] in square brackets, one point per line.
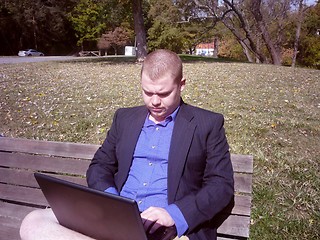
[156, 110]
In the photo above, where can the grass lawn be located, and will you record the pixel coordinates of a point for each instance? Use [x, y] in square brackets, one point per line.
[272, 113]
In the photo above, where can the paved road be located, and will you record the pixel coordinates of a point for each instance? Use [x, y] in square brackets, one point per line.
[16, 59]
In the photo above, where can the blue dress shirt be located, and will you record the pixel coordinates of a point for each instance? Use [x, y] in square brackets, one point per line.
[147, 179]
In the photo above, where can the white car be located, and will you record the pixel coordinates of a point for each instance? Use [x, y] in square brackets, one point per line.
[29, 53]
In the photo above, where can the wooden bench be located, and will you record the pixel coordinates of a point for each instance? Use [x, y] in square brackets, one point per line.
[20, 194]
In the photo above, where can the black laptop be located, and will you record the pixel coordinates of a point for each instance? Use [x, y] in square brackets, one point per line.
[96, 214]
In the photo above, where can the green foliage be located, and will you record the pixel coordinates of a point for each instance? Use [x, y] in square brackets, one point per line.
[198, 32]
[164, 36]
[230, 48]
[92, 18]
[310, 41]
[163, 33]
[117, 38]
[35, 24]
[118, 13]
[168, 29]
[88, 20]
[55, 26]
[310, 53]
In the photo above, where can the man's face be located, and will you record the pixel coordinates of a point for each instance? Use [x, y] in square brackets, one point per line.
[161, 96]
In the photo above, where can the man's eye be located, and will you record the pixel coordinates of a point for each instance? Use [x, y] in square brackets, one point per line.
[163, 95]
[149, 94]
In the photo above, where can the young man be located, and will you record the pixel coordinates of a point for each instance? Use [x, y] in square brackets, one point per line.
[172, 158]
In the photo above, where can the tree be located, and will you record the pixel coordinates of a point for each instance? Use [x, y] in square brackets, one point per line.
[234, 19]
[300, 17]
[141, 39]
[172, 28]
[309, 54]
[164, 32]
[88, 20]
[118, 37]
[231, 14]
[262, 26]
[24, 24]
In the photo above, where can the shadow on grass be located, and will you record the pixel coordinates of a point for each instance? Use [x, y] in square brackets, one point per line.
[194, 58]
[120, 59]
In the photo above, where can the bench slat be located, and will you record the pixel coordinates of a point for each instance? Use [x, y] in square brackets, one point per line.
[22, 195]
[34, 196]
[242, 205]
[14, 211]
[26, 178]
[235, 226]
[10, 227]
[241, 163]
[61, 149]
[11, 216]
[242, 183]
[79, 167]
[44, 163]
[7, 230]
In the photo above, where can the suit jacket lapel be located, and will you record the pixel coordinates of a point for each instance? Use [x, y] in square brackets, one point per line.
[180, 143]
[132, 132]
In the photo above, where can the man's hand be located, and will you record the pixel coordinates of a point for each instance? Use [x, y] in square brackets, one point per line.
[155, 217]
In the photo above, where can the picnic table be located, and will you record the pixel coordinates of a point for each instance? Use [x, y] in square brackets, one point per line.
[89, 53]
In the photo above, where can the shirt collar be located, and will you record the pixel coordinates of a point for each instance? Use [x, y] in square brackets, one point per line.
[168, 119]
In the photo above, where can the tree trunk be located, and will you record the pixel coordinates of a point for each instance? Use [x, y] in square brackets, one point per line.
[216, 48]
[298, 31]
[246, 51]
[245, 43]
[34, 33]
[141, 41]
[275, 54]
[248, 33]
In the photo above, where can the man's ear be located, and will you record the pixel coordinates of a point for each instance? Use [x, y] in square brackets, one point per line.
[182, 84]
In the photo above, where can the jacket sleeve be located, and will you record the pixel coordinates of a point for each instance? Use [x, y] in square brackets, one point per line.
[216, 188]
[102, 169]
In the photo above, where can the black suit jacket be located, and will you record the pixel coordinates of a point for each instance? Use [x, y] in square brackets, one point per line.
[200, 175]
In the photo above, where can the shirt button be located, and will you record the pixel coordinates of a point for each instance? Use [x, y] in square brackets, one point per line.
[157, 128]
[140, 202]
[150, 163]
[153, 147]
[144, 184]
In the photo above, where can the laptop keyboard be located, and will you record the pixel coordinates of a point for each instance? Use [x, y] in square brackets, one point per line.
[163, 233]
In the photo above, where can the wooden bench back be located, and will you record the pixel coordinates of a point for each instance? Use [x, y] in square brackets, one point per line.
[20, 193]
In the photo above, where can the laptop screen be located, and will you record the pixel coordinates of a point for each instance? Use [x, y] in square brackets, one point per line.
[94, 213]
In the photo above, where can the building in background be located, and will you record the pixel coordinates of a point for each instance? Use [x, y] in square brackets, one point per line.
[205, 49]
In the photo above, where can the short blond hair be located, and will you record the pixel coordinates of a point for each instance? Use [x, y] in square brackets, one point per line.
[161, 62]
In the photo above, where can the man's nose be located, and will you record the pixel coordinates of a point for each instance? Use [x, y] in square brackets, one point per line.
[155, 100]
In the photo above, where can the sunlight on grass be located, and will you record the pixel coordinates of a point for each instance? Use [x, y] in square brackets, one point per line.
[270, 112]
